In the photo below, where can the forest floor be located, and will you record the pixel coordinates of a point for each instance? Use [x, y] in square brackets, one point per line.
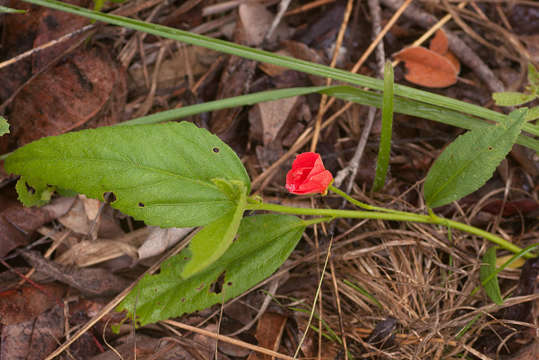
[390, 290]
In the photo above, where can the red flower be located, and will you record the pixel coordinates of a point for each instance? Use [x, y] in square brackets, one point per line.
[308, 175]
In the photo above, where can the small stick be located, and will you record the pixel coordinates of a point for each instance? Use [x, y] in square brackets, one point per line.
[336, 50]
[227, 339]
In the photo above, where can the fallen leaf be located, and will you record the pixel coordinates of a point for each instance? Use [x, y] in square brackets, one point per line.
[87, 90]
[439, 43]
[34, 338]
[17, 222]
[91, 282]
[255, 22]
[427, 68]
[269, 332]
[268, 118]
[28, 302]
[435, 68]
[159, 240]
[191, 60]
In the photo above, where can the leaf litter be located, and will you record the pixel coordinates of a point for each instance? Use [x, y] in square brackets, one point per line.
[413, 277]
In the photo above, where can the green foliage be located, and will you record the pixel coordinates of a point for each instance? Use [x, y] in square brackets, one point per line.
[490, 283]
[533, 76]
[469, 161]
[4, 126]
[510, 98]
[162, 174]
[533, 114]
[212, 241]
[348, 93]
[382, 164]
[38, 194]
[263, 243]
[7, 10]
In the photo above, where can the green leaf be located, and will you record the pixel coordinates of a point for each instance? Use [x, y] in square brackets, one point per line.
[37, 194]
[533, 114]
[488, 267]
[4, 126]
[510, 98]
[533, 76]
[162, 174]
[263, 243]
[7, 10]
[469, 161]
[382, 164]
[214, 239]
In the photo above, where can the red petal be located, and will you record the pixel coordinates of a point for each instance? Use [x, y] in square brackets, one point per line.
[305, 160]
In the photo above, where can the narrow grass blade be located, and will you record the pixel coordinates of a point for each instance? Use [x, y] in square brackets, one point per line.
[520, 255]
[384, 149]
[488, 268]
[348, 93]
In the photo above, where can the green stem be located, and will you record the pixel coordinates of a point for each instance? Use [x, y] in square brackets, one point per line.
[363, 205]
[400, 216]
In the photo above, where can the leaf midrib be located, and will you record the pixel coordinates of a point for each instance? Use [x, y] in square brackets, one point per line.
[126, 164]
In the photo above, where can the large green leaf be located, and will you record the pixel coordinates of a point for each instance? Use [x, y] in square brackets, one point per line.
[489, 282]
[162, 174]
[263, 243]
[469, 161]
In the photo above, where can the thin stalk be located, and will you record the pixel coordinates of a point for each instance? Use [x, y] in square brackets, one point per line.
[401, 216]
[361, 204]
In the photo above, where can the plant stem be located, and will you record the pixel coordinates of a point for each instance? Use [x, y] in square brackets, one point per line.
[396, 216]
[363, 205]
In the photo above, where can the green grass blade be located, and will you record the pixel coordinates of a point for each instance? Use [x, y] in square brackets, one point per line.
[492, 288]
[348, 93]
[284, 61]
[382, 164]
[502, 267]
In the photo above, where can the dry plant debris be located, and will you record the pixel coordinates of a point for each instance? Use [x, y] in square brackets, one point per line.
[405, 291]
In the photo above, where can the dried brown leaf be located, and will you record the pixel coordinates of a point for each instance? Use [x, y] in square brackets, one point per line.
[427, 68]
[28, 302]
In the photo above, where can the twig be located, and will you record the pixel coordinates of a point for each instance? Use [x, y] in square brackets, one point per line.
[336, 51]
[114, 302]
[351, 169]
[283, 6]
[227, 339]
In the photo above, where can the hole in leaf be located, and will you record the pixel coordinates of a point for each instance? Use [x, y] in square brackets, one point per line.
[186, 258]
[30, 189]
[229, 283]
[217, 286]
[183, 300]
[141, 204]
[109, 196]
[490, 148]
[215, 149]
